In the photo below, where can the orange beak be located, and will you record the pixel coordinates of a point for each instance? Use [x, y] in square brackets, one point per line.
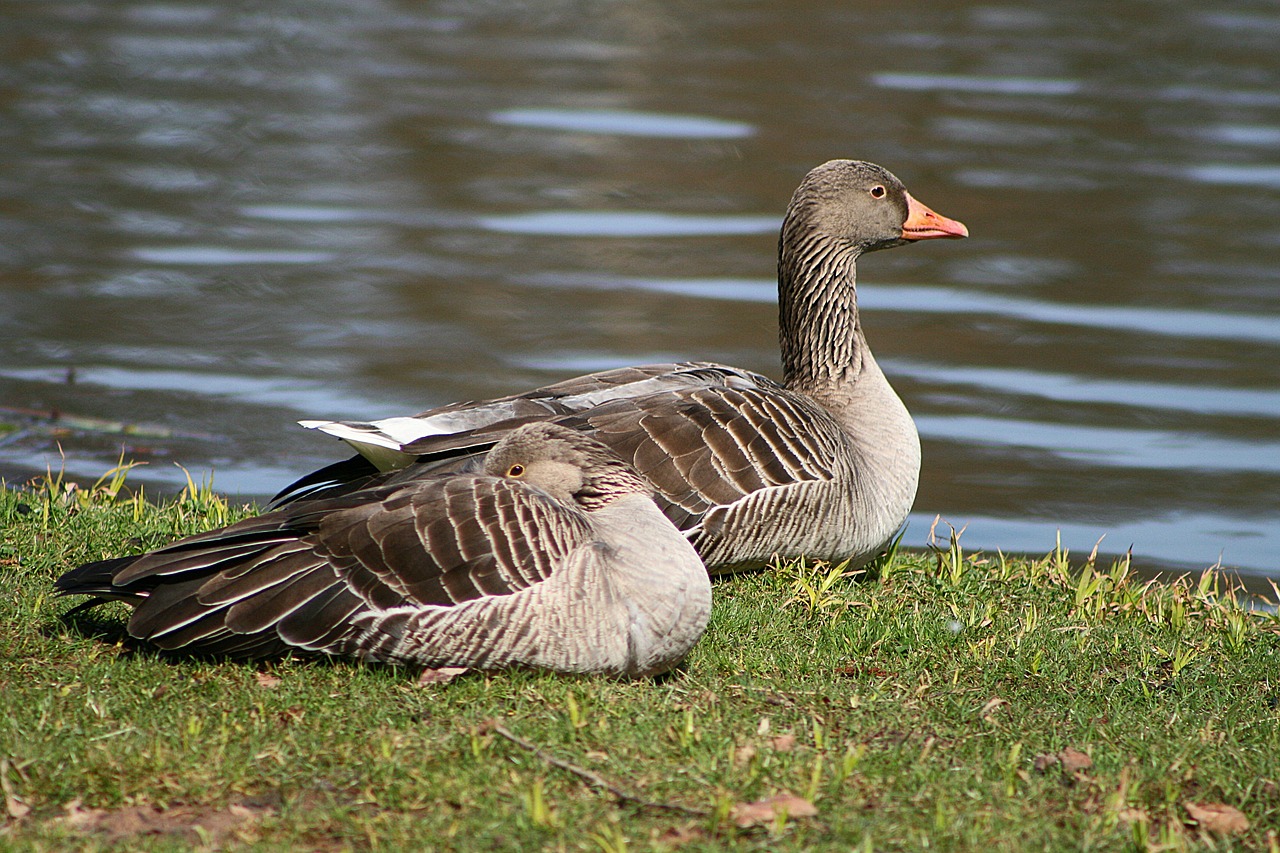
[923, 224]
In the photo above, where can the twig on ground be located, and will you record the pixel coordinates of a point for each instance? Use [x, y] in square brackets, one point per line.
[594, 779]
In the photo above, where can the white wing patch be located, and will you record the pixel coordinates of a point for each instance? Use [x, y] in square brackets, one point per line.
[368, 440]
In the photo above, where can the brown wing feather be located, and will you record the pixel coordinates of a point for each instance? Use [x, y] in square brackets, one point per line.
[715, 445]
[297, 577]
[705, 435]
[447, 540]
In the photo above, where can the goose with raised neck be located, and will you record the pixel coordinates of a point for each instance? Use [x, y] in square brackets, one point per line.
[824, 465]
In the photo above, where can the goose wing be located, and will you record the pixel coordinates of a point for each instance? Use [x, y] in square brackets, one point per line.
[704, 434]
[451, 427]
[297, 577]
[450, 437]
[715, 445]
[449, 539]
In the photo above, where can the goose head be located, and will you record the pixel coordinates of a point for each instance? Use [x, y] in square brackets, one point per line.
[569, 465]
[860, 207]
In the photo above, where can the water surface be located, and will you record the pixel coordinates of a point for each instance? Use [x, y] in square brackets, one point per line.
[217, 219]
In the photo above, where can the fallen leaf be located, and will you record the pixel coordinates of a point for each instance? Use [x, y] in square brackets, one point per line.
[188, 822]
[678, 836]
[1044, 762]
[742, 755]
[1073, 760]
[768, 809]
[77, 814]
[16, 808]
[267, 680]
[443, 675]
[293, 714]
[762, 728]
[855, 671]
[1217, 817]
[784, 743]
[992, 704]
[1132, 815]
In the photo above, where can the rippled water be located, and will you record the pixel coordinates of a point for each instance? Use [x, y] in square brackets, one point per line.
[216, 219]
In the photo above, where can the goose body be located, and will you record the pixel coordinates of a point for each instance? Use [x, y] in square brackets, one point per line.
[823, 465]
[555, 557]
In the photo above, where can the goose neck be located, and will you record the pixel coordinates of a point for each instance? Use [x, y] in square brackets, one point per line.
[823, 349]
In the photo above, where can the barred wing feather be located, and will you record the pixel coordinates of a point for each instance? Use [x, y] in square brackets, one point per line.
[296, 577]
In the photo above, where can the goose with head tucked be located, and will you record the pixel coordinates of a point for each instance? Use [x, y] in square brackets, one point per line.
[555, 557]
[823, 465]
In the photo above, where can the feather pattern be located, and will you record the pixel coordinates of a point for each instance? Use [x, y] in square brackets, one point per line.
[824, 464]
[543, 560]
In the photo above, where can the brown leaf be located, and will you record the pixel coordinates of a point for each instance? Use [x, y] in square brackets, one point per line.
[443, 675]
[293, 714]
[1218, 818]
[267, 680]
[16, 808]
[1073, 760]
[784, 743]
[678, 836]
[183, 821]
[77, 814]
[989, 708]
[742, 755]
[768, 809]
[1133, 815]
[856, 671]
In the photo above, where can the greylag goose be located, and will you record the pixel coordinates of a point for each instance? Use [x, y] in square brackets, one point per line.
[824, 465]
[556, 557]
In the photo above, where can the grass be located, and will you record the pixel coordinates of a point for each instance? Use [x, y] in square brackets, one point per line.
[945, 701]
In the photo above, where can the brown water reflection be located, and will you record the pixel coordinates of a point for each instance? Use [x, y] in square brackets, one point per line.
[227, 218]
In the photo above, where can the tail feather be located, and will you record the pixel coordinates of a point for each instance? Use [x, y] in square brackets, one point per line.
[231, 596]
[98, 579]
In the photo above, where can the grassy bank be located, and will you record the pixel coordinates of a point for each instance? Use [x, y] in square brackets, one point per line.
[954, 702]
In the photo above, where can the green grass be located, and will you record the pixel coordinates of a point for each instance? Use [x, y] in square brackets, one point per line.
[922, 707]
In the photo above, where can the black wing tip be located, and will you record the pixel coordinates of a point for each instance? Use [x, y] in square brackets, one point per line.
[330, 481]
[96, 578]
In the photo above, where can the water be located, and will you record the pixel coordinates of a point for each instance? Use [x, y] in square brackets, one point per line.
[217, 219]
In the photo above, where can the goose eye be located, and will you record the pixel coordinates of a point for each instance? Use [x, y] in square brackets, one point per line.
[515, 470]
[877, 191]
